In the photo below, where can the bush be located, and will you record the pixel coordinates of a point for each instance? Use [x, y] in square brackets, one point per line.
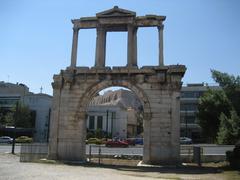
[98, 133]
[24, 139]
[233, 157]
[90, 134]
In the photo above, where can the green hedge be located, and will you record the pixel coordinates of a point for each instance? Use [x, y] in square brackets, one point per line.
[233, 157]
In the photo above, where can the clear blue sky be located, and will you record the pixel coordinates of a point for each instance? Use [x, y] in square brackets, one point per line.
[36, 37]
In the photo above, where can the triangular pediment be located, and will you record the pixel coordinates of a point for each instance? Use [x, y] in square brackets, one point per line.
[115, 11]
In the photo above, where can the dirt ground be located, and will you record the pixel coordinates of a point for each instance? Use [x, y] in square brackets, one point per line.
[12, 169]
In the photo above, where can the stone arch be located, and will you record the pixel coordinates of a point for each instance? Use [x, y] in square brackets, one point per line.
[157, 87]
[97, 87]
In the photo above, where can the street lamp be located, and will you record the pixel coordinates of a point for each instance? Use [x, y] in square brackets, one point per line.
[186, 125]
[107, 124]
[14, 130]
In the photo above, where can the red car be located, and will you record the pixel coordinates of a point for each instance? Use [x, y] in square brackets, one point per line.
[116, 143]
[130, 141]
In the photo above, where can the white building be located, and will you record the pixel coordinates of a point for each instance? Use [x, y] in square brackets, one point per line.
[40, 103]
[114, 112]
[190, 95]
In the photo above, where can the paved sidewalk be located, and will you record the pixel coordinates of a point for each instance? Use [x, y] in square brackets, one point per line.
[12, 169]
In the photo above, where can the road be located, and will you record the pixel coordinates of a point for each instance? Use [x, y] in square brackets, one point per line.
[207, 149]
[216, 149]
[7, 148]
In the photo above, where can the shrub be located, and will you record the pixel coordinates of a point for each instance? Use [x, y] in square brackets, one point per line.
[90, 134]
[233, 157]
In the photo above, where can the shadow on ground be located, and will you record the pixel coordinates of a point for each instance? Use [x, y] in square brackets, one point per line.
[181, 169]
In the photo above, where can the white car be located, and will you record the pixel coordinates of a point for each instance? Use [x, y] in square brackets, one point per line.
[6, 139]
[185, 140]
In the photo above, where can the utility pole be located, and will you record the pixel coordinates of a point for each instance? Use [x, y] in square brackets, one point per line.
[14, 130]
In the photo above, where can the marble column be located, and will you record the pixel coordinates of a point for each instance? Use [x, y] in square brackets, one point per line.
[74, 47]
[132, 46]
[160, 36]
[100, 47]
[135, 47]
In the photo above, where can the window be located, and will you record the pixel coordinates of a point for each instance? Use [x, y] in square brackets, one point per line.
[99, 122]
[8, 101]
[91, 122]
[190, 119]
[113, 115]
[191, 94]
[189, 107]
[182, 119]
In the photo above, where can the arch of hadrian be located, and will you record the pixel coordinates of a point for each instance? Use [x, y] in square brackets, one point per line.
[158, 88]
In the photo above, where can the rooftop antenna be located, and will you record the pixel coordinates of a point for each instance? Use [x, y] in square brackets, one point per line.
[41, 90]
[8, 78]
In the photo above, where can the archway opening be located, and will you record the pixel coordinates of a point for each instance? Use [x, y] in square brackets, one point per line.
[114, 113]
[83, 106]
[116, 49]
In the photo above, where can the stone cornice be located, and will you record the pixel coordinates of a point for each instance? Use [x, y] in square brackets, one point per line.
[119, 17]
[170, 75]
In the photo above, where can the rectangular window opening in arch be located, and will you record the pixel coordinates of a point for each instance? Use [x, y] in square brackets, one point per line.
[86, 47]
[116, 49]
[148, 46]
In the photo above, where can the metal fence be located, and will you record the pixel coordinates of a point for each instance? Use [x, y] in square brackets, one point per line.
[33, 152]
[208, 153]
[132, 150]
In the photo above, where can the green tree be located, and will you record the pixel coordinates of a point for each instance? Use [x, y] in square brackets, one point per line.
[229, 130]
[231, 86]
[1, 116]
[210, 107]
[8, 119]
[5, 117]
[24, 117]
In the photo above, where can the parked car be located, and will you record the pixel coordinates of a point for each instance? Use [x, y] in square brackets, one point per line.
[6, 139]
[130, 141]
[116, 143]
[24, 139]
[185, 140]
[139, 141]
[94, 141]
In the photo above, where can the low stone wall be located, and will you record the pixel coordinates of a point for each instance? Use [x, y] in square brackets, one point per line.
[213, 158]
[36, 151]
[206, 158]
[33, 152]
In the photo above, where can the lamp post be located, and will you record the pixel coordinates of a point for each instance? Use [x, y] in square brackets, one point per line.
[186, 125]
[107, 123]
[14, 130]
[112, 124]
